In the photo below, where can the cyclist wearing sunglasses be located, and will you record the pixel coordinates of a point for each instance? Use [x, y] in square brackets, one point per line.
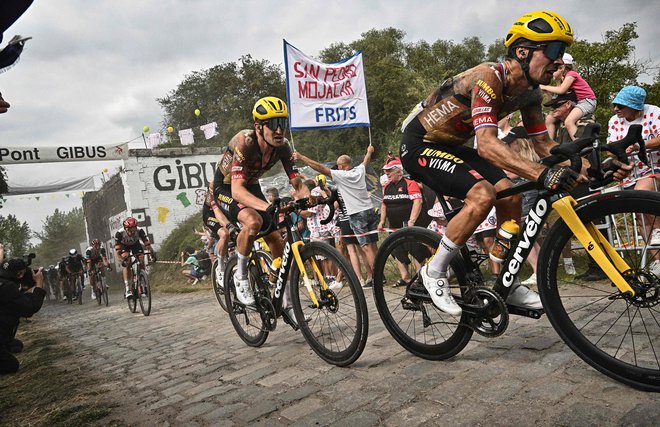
[470, 104]
[251, 153]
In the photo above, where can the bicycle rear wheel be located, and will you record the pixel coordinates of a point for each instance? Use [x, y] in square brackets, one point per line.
[337, 328]
[616, 334]
[144, 293]
[218, 288]
[247, 321]
[405, 306]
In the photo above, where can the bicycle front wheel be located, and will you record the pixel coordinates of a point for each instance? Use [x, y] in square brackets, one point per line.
[403, 303]
[617, 334]
[246, 320]
[336, 325]
[144, 293]
[218, 287]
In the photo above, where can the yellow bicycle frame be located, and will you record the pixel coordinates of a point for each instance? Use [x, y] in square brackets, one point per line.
[295, 248]
[597, 246]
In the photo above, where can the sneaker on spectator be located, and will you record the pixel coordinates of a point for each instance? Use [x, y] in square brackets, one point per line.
[569, 268]
[333, 284]
[93, 295]
[655, 268]
[243, 292]
[530, 281]
[655, 237]
[195, 281]
[369, 283]
[522, 296]
[440, 293]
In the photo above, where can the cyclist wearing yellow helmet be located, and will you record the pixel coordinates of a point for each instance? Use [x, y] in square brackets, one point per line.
[250, 153]
[470, 104]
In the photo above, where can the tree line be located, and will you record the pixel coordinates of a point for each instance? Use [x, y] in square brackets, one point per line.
[398, 74]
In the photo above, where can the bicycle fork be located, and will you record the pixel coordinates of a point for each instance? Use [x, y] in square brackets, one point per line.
[597, 246]
[295, 248]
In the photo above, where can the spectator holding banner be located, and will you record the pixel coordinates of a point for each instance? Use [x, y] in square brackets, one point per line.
[352, 185]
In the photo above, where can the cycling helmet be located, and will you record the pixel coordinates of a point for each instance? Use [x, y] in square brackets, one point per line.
[269, 107]
[130, 222]
[540, 26]
[73, 252]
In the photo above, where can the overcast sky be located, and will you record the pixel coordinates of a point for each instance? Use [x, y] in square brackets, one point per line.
[93, 70]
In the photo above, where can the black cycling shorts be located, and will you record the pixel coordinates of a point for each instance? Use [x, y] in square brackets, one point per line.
[210, 222]
[231, 208]
[448, 170]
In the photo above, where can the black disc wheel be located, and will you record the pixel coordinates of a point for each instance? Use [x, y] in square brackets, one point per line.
[334, 321]
[614, 332]
[403, 303]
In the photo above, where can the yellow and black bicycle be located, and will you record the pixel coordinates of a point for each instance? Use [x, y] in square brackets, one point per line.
[612, 324]
[328, 303]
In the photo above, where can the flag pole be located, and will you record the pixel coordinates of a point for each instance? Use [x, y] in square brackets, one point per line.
[370, 143]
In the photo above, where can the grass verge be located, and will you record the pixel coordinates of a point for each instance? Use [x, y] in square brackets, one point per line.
[48, 389]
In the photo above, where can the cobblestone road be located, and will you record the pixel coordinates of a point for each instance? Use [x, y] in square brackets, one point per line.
[185, 365]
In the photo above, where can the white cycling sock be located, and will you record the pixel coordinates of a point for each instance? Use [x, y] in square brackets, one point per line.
[222, 262]
[241, 267]
[439, 263]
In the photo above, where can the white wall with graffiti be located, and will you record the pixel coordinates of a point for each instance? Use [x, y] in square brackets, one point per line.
[163, 188]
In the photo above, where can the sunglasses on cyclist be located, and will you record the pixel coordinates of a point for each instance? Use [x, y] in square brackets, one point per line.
[277, 122]
[554, 50]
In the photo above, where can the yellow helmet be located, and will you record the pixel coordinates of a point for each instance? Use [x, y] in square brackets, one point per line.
[321, 179]
[540, 26]
[269, 107]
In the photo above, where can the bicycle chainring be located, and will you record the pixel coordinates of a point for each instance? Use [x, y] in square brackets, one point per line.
[496, 316]
[267, 313]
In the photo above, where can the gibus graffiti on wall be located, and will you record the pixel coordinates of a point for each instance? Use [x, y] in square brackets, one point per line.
[185, 175]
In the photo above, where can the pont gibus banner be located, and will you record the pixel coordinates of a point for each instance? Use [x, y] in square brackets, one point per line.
[10, 155]
[323, 96]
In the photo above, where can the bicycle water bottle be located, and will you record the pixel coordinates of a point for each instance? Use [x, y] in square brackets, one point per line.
[274, 267]
[505, 235]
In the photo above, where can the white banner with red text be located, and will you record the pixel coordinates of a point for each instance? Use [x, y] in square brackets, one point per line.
[323, 96]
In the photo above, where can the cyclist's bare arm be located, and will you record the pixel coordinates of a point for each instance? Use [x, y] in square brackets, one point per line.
[501, 155]
[241, 194]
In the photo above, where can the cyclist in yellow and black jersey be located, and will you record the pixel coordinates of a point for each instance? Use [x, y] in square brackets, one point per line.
[470, 104]
[250, 153]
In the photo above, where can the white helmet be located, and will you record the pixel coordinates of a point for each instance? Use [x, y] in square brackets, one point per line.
[73, 252]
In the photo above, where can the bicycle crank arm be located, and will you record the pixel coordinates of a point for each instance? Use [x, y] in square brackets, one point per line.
[525, 312]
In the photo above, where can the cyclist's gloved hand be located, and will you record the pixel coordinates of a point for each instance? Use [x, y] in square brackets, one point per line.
[153, 256]
[124, 262]
[559, 179]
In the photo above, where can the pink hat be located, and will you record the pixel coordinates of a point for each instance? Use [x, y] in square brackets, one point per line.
[393, 164]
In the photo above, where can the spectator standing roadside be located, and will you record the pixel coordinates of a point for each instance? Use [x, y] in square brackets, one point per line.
[351, 183]
[630, 110]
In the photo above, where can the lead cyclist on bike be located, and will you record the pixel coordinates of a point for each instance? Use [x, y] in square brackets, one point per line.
[471, 103]
[250, 153]
[127, 242]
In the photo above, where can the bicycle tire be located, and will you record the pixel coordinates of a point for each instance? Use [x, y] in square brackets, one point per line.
[98, 288]
[79, 290]
[218, 288]
[403, 313]
[246, 320]
[614, 335]
[132, 300]
[144, 293]
[70, 288]
[337, 331]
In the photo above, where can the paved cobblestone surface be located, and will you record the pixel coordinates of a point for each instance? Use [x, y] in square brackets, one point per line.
[185, 365]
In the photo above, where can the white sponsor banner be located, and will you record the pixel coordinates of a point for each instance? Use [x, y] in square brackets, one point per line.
[10, 155]
[323, 95]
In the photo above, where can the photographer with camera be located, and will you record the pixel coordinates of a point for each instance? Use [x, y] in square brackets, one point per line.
[21, 295]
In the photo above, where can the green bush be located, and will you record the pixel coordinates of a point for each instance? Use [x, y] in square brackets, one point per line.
[167, 277]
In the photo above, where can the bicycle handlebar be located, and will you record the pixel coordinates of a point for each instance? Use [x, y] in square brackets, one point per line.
[299, 205]
[600, 173]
